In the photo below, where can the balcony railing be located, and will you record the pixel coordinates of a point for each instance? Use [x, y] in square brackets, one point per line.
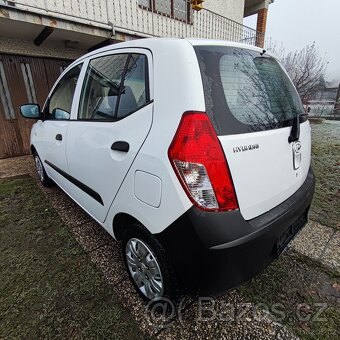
[130, 16]
[145, 18]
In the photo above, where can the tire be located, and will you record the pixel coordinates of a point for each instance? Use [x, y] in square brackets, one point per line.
[141, 252]
[41, 173]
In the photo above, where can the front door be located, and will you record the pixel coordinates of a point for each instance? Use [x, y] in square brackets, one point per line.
[114, 118]
[53, 129]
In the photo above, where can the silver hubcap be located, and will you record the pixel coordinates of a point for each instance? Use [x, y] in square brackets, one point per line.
[40, 169]
[144, 268]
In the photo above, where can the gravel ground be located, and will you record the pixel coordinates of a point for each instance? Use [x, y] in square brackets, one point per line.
[106, 254]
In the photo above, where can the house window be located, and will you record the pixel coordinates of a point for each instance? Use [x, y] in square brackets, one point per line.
[5, 94]
[62, 69]
[177, 9]
[28, 80]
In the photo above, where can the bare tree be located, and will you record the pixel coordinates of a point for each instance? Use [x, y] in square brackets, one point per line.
[306, 68]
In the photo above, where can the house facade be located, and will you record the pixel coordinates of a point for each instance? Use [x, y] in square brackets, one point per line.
[39, 38]
[325, 102]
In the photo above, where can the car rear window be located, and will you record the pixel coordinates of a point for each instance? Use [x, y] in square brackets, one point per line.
[246, 91]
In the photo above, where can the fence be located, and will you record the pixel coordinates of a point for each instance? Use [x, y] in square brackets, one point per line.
[146, 18]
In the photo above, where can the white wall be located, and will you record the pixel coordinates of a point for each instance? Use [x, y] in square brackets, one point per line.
[126, 13]
[232, 9]
[128, 18]
[92, 10]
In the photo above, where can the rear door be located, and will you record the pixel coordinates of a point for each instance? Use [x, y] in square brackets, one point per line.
[114, 118]
[252, 103]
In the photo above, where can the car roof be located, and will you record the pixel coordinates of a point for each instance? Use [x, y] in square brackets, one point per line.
[156, 43]
[153, 42]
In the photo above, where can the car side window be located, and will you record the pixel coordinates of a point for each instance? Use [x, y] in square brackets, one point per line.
[60, 102]
[114, 87]
[134, 92]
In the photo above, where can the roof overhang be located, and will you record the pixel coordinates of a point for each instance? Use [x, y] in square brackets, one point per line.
[49, 30]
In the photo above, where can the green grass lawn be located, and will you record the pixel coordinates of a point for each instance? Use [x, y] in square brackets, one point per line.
[326, 163]
[48, 286]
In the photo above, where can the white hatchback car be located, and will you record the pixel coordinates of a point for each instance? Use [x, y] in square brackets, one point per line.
[194, 153]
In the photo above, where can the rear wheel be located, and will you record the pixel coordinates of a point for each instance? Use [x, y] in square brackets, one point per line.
[149, 269]
[43, 178]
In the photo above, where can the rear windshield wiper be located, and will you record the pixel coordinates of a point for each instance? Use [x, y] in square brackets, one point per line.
[295, 131]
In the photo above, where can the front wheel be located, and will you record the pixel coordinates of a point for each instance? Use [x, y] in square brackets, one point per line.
[43, 178]
[149, 269]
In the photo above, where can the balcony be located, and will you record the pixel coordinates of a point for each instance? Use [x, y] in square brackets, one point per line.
[92, 12]
[125, 19]
[134, 18]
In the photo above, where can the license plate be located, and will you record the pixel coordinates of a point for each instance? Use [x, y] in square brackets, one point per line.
[289, 233]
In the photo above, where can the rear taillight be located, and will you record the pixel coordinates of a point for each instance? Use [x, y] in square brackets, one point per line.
[198, 160]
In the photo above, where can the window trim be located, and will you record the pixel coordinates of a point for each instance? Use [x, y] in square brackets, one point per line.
[147, 87]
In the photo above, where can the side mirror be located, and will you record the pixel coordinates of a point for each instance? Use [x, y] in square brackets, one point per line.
[60, 114]
[30, 111]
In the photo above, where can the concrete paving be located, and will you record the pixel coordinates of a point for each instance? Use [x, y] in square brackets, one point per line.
[17, 166]
[184, 321]
[320, 243]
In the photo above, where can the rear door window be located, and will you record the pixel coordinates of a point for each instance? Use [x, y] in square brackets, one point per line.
[246, 91]
[115, 86]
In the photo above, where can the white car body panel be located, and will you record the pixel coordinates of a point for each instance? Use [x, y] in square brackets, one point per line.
[89, 147]
[265, 177]
[93, 161]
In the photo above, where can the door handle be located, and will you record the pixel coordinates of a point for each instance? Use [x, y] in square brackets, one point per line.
[59, 137]
[120, 146]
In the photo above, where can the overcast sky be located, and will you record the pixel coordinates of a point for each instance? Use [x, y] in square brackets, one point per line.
[297, 23]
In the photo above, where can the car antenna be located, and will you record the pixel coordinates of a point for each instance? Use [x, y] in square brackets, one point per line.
[263, 52]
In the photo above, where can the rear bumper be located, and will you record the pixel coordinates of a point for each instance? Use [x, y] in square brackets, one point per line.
[213, 252]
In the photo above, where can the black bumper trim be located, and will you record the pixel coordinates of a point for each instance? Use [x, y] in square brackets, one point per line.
[215, 251]
[286, 211]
